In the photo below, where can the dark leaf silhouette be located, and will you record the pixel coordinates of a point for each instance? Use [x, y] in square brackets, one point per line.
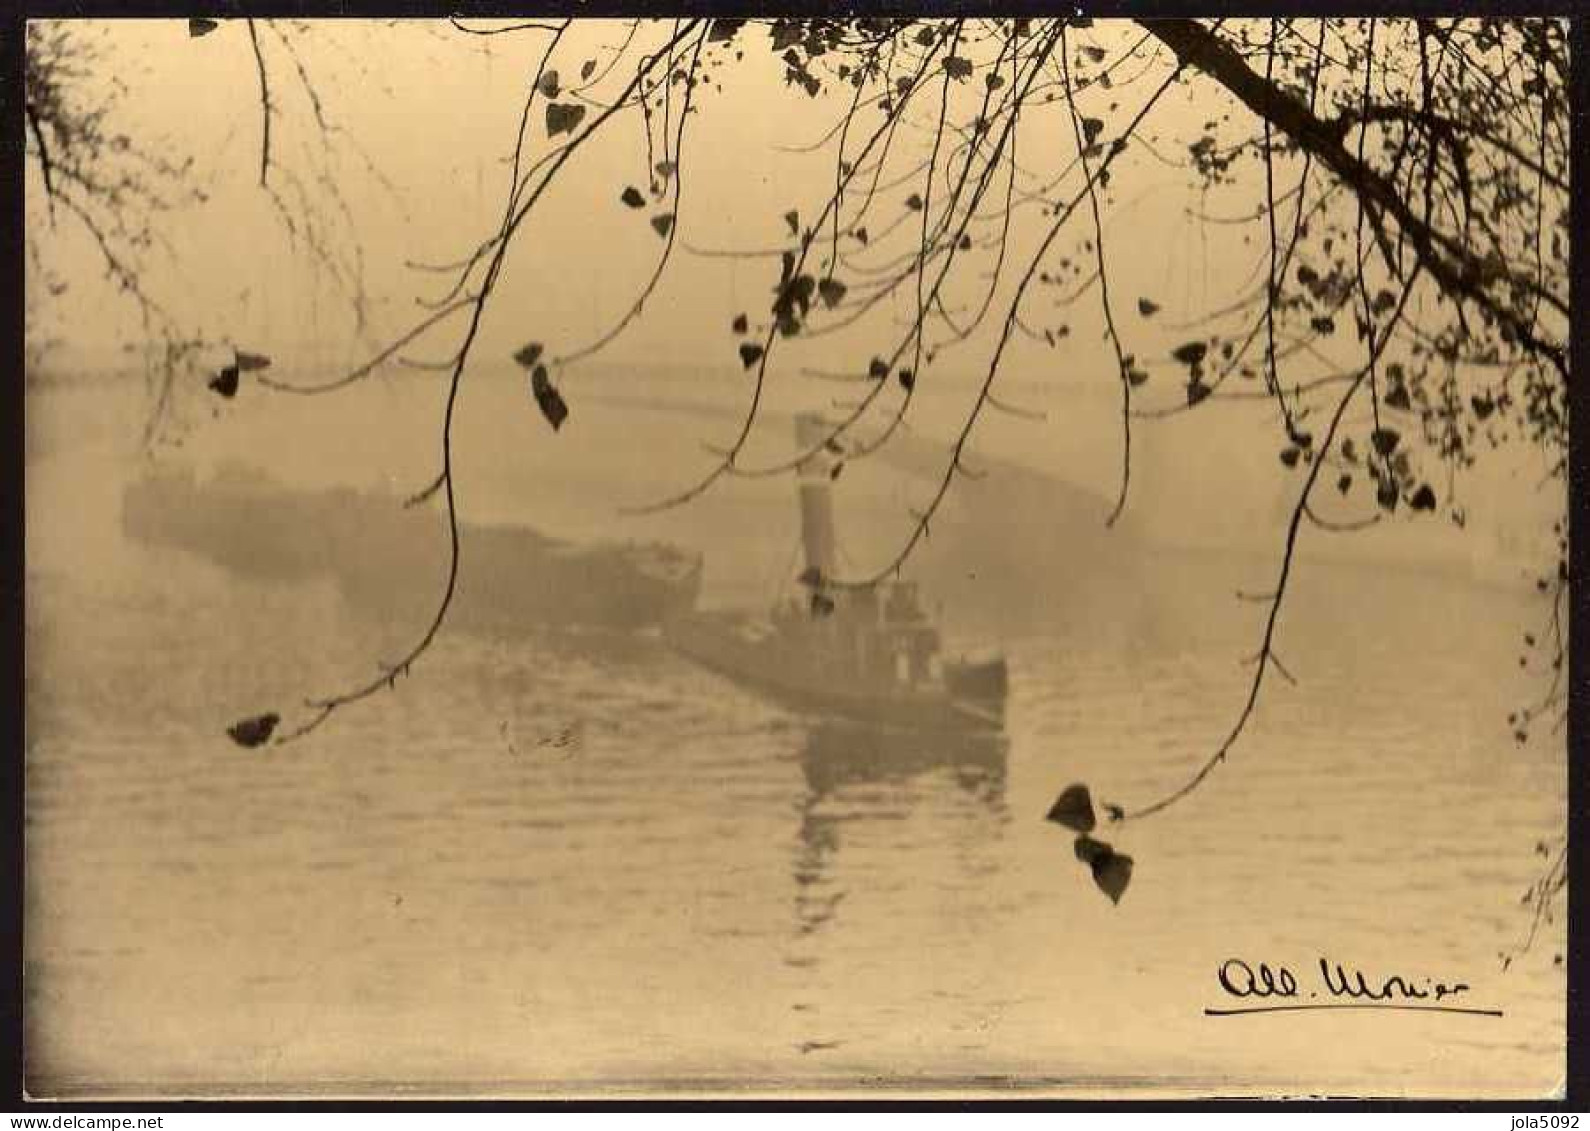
[878, 369]
[1190, 353]
[861, 235]
[1483, 406]
[957, 67]
[198, 27]
[1423, 499]
[1096, 54]
[832, 291]
[914, 202]
[1323, 324]
[563, 117]
[663, 223]
[247, 362]
[741, 324]
[723, 30]
[548, 85]
[632, 197]
[225, 382]
[1147, 307]
[1386, 495]
[548, 398]
[1088, 850]
[1385, 440]
[907, 379]
[750, 354]
[1112, 872]
[1135, 375]
[1073, 809]
[1344, 484]
[835, 470]
[994, 80]
[528, 354]
[793, 219]
[1397, 397]
[1289, 456]
[254, 731]
[1196, 391]
[666, 168]
[1091, 129]
[587, 69]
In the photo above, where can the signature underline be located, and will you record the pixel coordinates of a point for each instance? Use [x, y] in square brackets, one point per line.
[1352, 1005]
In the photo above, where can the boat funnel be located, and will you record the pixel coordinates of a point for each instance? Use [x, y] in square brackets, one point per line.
[816, 493]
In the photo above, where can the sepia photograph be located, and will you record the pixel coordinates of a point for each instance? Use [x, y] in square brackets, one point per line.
[602, 557]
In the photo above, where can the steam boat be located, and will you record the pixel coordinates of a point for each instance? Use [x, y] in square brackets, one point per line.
[868, 654]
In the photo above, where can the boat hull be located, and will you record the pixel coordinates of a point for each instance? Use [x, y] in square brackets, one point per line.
[799, 678]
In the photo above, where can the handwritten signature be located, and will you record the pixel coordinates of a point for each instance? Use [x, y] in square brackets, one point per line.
[1274, 988]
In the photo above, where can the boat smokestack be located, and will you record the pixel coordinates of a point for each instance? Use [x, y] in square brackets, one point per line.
[816, 491]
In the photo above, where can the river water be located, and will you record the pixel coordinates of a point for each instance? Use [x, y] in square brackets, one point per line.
[575, 863]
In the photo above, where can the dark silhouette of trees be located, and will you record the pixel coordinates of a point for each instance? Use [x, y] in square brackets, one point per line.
[1414, 221]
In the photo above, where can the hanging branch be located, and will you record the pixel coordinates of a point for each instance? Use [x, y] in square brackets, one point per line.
[1122, 369]
[1265, 657]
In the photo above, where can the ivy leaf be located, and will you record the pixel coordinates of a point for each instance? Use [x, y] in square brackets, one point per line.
[587, 69]
[632, 197]
[914, 202]
[793, 219]
[1089, 850]
[957, 67]
[1483, 406]
[663, 223]
[723, 30]
[741, 324]
[1323, 324]
[861, 236]
[907, 379]
[225, 382]
[201, 27]
[1112, 873]
[254, 731]
[1196, 391]
[1386, 495]
[562, 117]
[1135, 375]
[1423, 499]
[750, 354]
[1091, 129]
[1073, 809]
[1190, 353]
[878, 369]
[1095, 54]
[832, 291]
[666, 168]
[528, 354]
[994, 80]
[1385, 440]
[1289, 456]
[548, 85]
[1147, 307]
[548, 398]
[1344, 483]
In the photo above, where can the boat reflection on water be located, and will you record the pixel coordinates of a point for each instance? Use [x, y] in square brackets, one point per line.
[843, 764]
